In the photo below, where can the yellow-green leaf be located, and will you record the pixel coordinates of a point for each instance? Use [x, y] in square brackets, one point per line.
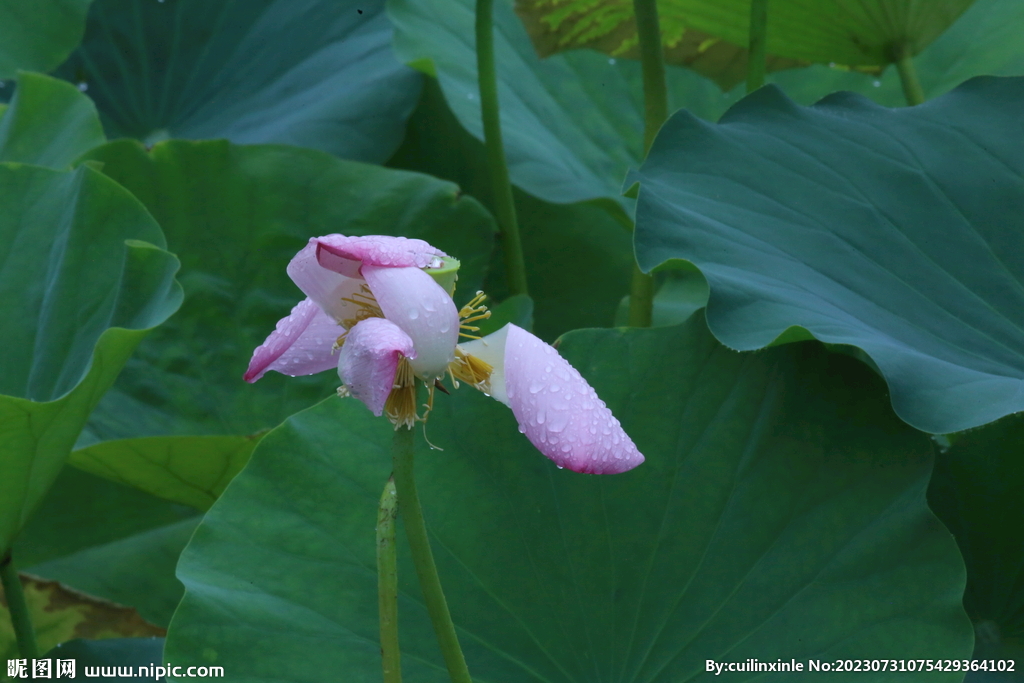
[59, 613]
[710, 36]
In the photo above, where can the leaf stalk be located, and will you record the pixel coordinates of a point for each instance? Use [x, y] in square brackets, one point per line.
[416, 530]
[757, 48]
[24, 633]
[652, 63]
[512, 245]
[912, 89]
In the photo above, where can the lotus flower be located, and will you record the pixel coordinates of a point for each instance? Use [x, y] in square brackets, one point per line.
[376, 311]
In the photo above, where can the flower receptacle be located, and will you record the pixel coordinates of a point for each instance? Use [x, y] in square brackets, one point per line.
[445, 274]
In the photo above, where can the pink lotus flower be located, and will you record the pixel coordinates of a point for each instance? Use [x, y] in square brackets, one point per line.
[375, 311]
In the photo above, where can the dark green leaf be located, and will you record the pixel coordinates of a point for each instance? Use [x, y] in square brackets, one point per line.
[976, 491]
[191, 470]
[49, 123]
[896, 231]
[780, 514]
[517, 310]
[110, 541]
[113, 652]
[319, 75]
[38, 35]
[80, 289]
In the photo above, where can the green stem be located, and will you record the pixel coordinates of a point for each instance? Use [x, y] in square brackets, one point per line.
[652, 63]
[18, 608]
[908, 75]
[423, 558]
[387, 583]
[757, 48]
[641, 298]
[512, 246]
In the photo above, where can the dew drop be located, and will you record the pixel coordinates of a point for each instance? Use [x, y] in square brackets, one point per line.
[414, 314]
[877, 84]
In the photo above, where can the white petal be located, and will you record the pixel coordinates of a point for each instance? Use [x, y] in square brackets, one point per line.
[412, 300]
[323, 286]
[369, 359]
[491, 350]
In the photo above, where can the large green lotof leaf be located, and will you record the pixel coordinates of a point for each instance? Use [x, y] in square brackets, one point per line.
[976, 491]
[39, 34]
[710, 36]
[897, 231]
[780, 514]
[316, 73]
[83, 275]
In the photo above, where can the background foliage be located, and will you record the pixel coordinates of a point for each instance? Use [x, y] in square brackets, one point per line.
[160, 162]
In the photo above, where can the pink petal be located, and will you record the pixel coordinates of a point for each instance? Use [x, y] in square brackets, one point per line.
[560, 413]
[301, 344]
[369, 359]
[345, 255]
[411, 299]
[325, 287]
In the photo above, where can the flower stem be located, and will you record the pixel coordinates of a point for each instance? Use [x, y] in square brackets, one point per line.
[387, 583]
[908, 76]
[757, 48]
[512, 246]
[652, 63]
[18, 608]
[423, 558]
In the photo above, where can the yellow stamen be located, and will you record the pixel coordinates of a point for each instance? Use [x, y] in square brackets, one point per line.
[366, 307]
[471, 312]
[471, 370]
[401, 404]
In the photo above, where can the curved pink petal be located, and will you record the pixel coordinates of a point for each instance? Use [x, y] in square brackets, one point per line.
[327, 288]
[411, 299]
[369, 359]
[301, 344]
[345, 255]
[560, 413]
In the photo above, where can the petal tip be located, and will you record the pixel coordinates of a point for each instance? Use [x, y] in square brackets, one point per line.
[560, 413]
